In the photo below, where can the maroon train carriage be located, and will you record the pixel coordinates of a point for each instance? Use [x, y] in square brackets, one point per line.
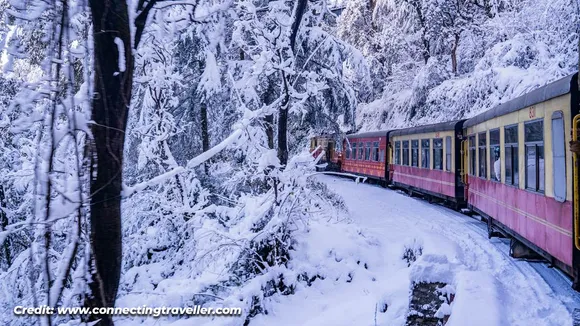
[522, 175]
[365, 154]
[332, 155]
[511, 164]
[426, 159]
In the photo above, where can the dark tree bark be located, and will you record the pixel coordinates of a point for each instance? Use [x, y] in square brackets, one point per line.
[454, 54]
[299, 10]
[269, 122]
[298, 14]
[283, 124]
[204, 132]
[110, 110]
[269, 97]
[3, 225]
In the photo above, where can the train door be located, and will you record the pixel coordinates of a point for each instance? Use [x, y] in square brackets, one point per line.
[575, 149]
[330, 151]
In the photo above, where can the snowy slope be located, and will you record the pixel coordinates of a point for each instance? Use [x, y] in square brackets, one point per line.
[491, 288]
[515, 47]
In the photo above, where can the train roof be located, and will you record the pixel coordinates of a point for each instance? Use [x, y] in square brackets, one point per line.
[442, 126]
[542, 94]
[379, 133]
[324, 136]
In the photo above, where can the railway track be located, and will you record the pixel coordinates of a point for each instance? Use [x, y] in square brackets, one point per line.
[558, 282]
[516, 278]
[520, 293]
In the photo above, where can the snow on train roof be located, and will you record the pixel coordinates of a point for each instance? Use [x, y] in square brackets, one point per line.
[379, 133]
[542, 94]
[442, 126]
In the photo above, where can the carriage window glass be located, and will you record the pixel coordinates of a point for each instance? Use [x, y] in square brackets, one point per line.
[397, 152]
[494, 155]
[405, 152]
[382, 155]
[438, 154]
[472, 150]
[414, 153]
[448, 156]
[360, 151]
[534, 142]
[425, 153]
[482, 146]
[376, 151]
[353, 145]
[368, 151]
[559, 156]
[511, 155]
[348, 149]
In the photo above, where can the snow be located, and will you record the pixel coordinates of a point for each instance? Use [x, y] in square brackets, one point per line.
[121, 51]
[475, 291]
[210, 79]
[490, 287]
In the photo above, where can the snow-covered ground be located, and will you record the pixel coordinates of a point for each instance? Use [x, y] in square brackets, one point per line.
[491, 288]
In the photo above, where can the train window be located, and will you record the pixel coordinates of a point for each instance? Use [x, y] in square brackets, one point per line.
[448, 156]
[482, 146]
[376, 151]
[405, 152]
[559, 156]
[368, 151]
[511, 155]
[494, 155]
[397, 152]
[353, 151]
[472, 164]
[438, 154]
[360, 151]
[425, 153]
[534, 142]
[414, 153]
[382, 155]
[347, 149]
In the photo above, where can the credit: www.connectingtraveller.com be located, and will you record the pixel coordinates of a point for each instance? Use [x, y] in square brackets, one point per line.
[127, 311]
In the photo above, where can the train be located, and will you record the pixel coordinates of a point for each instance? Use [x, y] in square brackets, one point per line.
[515, 165]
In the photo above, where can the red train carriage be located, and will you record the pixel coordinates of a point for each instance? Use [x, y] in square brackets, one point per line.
[521, 171]
[426, 159]
[366, 154]
[332, 156]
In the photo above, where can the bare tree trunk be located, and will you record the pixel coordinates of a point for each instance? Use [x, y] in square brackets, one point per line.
[454, 54]
[269, 97]
[204, 132]
[283, 124]
[298, 13]
[3, 225]
[283, 113]
[269, 121]
[113, 80]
